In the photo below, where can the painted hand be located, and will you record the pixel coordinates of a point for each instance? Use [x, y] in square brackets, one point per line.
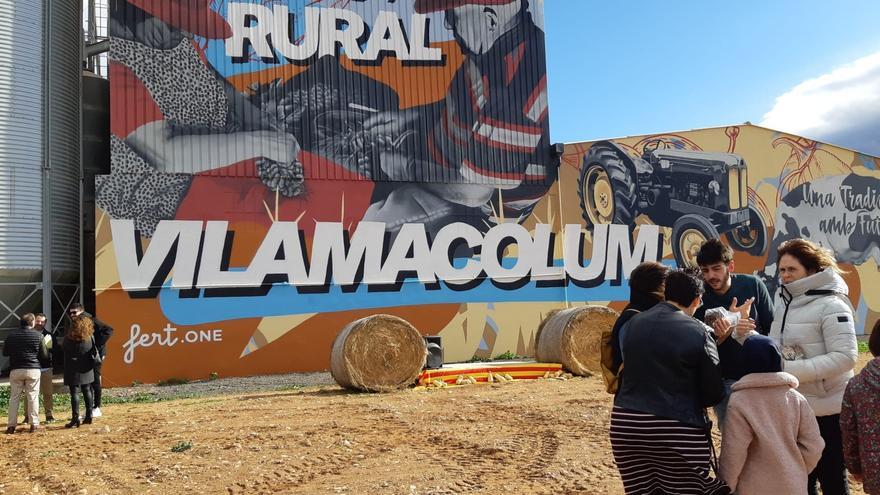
[279, 146]
[390, 123]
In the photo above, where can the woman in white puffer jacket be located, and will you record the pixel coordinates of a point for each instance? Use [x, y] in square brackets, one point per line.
[813, 325]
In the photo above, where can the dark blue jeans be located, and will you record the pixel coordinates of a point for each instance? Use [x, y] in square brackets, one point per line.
[74, 399]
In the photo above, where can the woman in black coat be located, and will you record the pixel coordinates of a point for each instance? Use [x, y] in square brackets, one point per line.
[79, 366]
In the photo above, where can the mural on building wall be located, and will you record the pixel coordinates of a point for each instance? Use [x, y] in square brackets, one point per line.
[751, 186]
[281, 168]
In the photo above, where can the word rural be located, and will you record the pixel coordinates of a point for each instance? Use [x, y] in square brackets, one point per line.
[459, 256]
[269, 32]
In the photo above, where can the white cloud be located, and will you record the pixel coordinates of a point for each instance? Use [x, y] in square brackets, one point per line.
[841, 107]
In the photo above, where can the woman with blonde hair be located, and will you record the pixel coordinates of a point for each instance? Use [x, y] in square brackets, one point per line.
[79, 366]
[813, 325]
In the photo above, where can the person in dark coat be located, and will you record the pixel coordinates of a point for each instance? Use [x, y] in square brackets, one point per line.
[103, 332]
[47, 349]
[79, 366]
[659, 430]
[23, 348]
[646, 284]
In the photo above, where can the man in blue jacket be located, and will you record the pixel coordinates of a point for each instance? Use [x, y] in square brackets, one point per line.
[738, 292]
[23, 348]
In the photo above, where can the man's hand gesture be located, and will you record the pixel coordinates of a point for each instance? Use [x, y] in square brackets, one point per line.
[745, 324]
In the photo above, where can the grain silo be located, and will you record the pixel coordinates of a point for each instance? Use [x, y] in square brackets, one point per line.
[40, 221]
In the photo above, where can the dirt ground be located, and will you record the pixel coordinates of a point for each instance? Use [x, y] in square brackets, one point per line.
[521, 437]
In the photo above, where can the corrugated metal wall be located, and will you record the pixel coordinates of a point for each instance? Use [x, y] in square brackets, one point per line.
[63, 132]
[21, 129]
[321, 101]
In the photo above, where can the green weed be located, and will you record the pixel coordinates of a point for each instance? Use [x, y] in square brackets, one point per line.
[181, 446]
[507, 356]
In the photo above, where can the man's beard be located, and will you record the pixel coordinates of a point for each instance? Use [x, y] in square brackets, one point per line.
[717, 284]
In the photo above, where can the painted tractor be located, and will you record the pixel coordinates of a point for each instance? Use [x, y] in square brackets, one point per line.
[698, 194]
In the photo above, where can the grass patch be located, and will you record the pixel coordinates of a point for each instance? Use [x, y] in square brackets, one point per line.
[59, 402]
[62, 401]
[141, 398]
[507, 356]
[181, 447]
[863, 346]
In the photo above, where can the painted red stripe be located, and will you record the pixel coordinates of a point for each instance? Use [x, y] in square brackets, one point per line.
[491, 173]
[525, 129]
[444, 126]
[512, 61]
[536, 93]
[435, 153]
[502, 145]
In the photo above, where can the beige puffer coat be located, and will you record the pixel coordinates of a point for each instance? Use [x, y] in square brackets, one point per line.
[815, 314]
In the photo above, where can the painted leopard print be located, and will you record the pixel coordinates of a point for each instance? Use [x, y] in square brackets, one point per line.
[135, 190]
[186, 90]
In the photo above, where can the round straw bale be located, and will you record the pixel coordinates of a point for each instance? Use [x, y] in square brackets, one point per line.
[541, 328]
[573, 338]
[378, 353]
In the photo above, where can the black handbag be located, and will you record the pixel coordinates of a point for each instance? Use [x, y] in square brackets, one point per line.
[96, 354]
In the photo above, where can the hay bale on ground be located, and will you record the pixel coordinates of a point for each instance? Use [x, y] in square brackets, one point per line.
[573, 338]
[378, 353]
[541, 329]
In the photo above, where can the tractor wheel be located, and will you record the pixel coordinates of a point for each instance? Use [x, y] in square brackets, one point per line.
[751, 239]
[689, 233]
[606, 188]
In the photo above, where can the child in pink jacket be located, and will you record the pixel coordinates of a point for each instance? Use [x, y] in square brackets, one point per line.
[771, 439]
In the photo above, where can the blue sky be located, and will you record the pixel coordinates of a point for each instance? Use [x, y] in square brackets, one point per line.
[640, 66]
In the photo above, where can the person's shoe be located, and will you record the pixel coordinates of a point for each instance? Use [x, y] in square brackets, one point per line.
[10, 430]
[96, 412]
[87, 421]
[49, 420]
[73, 422]
[36, 428]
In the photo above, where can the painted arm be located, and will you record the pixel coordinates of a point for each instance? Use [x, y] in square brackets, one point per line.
[196, 153]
